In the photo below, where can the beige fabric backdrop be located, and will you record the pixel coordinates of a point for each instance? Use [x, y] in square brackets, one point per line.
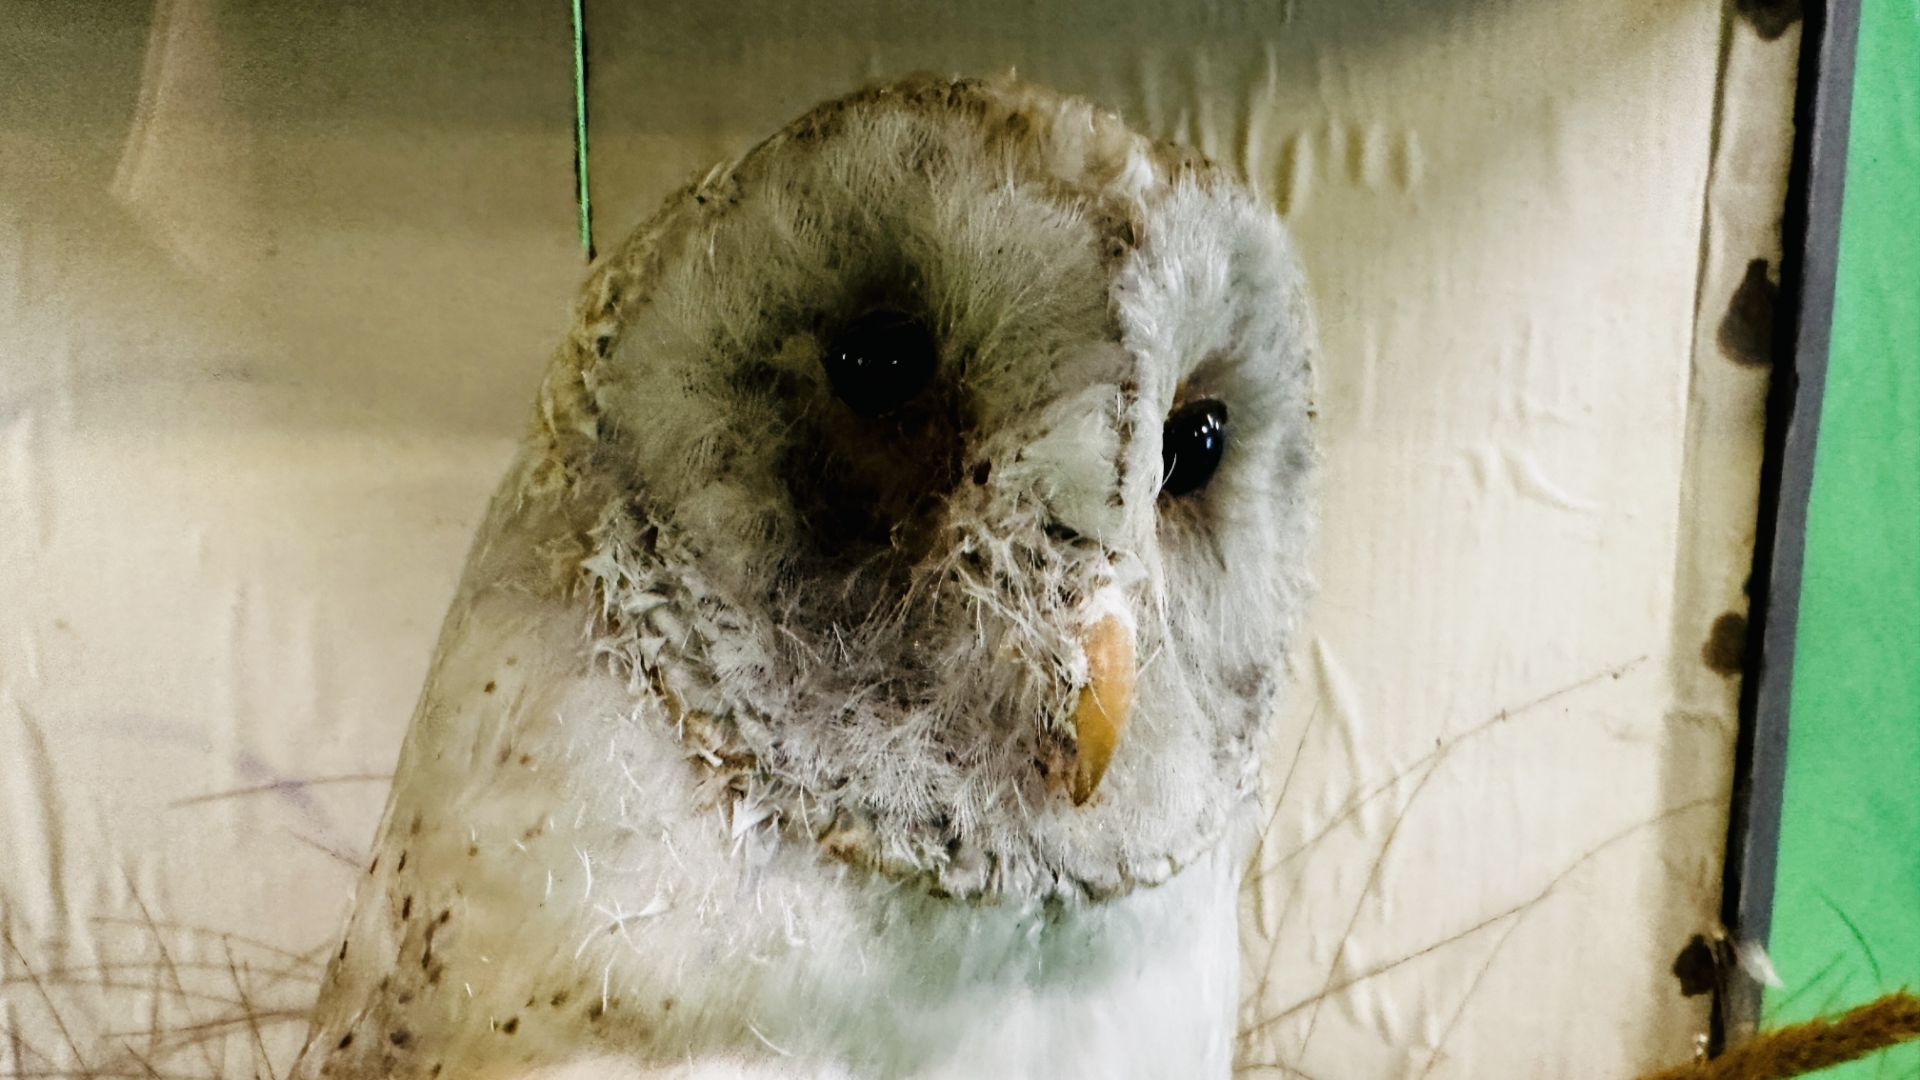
[275, 288]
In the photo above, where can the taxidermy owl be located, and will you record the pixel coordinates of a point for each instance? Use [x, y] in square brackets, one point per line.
[862, 667]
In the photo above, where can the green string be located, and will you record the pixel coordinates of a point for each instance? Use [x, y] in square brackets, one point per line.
[580, 129]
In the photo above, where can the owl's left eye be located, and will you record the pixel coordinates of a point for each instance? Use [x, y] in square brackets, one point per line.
[880, 361]
[1191, 445]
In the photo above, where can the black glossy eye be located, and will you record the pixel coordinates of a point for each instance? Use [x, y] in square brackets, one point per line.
[880, 361]
[1191, 445]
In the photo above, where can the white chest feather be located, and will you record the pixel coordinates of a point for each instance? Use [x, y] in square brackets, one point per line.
[620, 918]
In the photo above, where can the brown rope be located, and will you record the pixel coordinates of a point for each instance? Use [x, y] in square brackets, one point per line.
[1812, 1046]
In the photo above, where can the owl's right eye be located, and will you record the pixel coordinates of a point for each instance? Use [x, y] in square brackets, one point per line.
[1191, 446]
[880, 361]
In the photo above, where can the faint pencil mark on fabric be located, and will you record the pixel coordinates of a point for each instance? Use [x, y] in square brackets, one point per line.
[281, 787]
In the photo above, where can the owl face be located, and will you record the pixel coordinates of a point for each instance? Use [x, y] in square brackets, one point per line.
[946, 457]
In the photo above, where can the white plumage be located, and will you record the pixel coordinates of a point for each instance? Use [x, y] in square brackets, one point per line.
[769, 732]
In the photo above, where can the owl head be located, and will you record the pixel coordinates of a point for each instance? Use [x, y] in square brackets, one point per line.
[943, 463]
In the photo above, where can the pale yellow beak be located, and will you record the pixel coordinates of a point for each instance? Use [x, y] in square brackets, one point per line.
[1106, 701]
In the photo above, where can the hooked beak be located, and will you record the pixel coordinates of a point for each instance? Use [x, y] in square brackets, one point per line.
[1106, 701]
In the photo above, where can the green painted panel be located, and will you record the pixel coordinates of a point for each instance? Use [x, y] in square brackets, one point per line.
[1846, 917]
